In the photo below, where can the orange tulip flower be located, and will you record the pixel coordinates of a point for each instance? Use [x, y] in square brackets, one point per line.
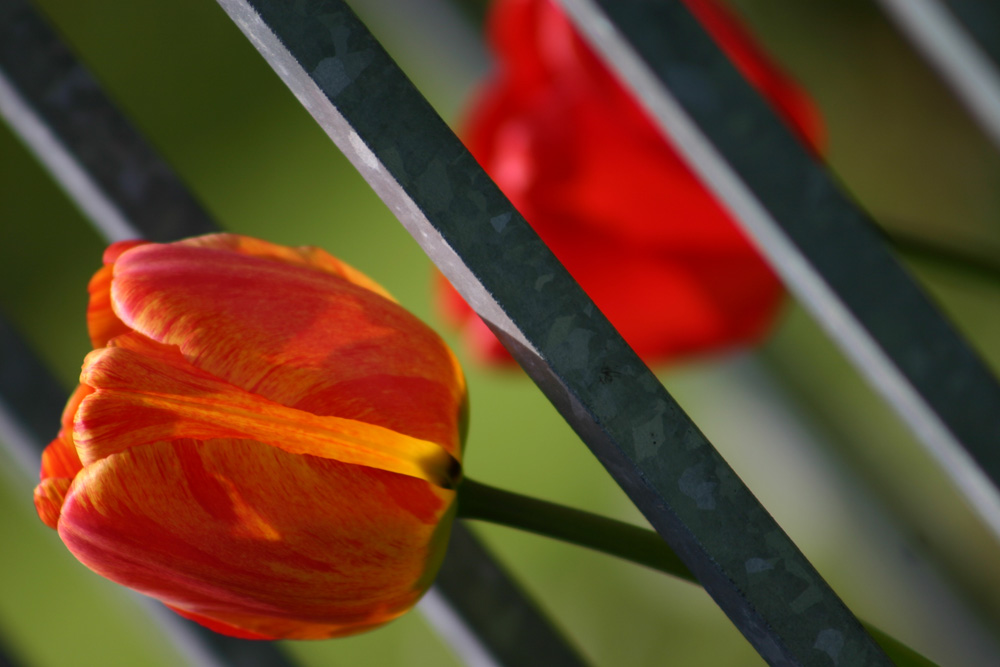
[263, 439]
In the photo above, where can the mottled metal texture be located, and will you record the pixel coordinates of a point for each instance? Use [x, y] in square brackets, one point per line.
[673, 474]
[961, 39]
[144, 198]
[47, 88]
[827, 249]
[981, 18]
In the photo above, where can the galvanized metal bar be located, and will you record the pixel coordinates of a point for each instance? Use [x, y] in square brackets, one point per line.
[825, 247]
[473, 601]
[961, 39]
[103, 163]
[673, 474]
[32, 400]
[127, 191]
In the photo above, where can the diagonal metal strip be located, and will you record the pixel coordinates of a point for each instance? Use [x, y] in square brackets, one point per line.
[960, 39]
[127, 191]
[420, 169]
[827, 250]
[105, 165]
[470, 584]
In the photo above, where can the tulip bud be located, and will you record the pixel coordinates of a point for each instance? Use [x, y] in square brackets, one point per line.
[263, 439]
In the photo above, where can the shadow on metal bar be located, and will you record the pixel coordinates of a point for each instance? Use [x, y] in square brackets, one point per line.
[128, 192]
[961, 39]
[420, 169]
[828, 251]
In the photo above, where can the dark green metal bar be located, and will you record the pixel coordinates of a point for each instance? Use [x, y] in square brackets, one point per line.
[673, 474]
[60, 111]
[826, 248]
[120, 183]
[32, 400]
[961, 40]
[465, 584]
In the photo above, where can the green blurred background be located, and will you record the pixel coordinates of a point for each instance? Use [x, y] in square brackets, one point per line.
[833, 465]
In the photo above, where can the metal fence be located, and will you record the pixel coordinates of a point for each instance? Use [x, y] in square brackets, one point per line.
[825, 247]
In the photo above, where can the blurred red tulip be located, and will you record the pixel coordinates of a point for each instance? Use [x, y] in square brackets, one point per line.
[263, 439]
[612, 199]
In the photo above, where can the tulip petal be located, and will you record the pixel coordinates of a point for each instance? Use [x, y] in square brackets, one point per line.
[72, 404]
[49, 497]
[308, 256]
[272, 543]
[59, 459]
[102, 322]
[308, 339]
[145, 392]
[218, 626]
[60, 465]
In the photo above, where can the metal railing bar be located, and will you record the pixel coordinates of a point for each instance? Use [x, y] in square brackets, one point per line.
[962, 603]
[422, 172]
[64, 116]
[827, 250]
[62, 165]
[959, 39]
[474, 601]
[91, 154]
[466, 645]
[32, 401]
[425, 35]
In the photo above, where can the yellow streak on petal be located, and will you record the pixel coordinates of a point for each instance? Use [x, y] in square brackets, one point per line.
[295, 431]
[140, 400]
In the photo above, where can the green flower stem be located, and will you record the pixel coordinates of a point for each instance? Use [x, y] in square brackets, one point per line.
[616, 538]
[640, 545]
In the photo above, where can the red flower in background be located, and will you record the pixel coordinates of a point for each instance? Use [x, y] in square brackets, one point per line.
[611, 197]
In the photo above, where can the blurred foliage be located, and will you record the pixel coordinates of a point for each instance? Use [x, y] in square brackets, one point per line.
[833, 465]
